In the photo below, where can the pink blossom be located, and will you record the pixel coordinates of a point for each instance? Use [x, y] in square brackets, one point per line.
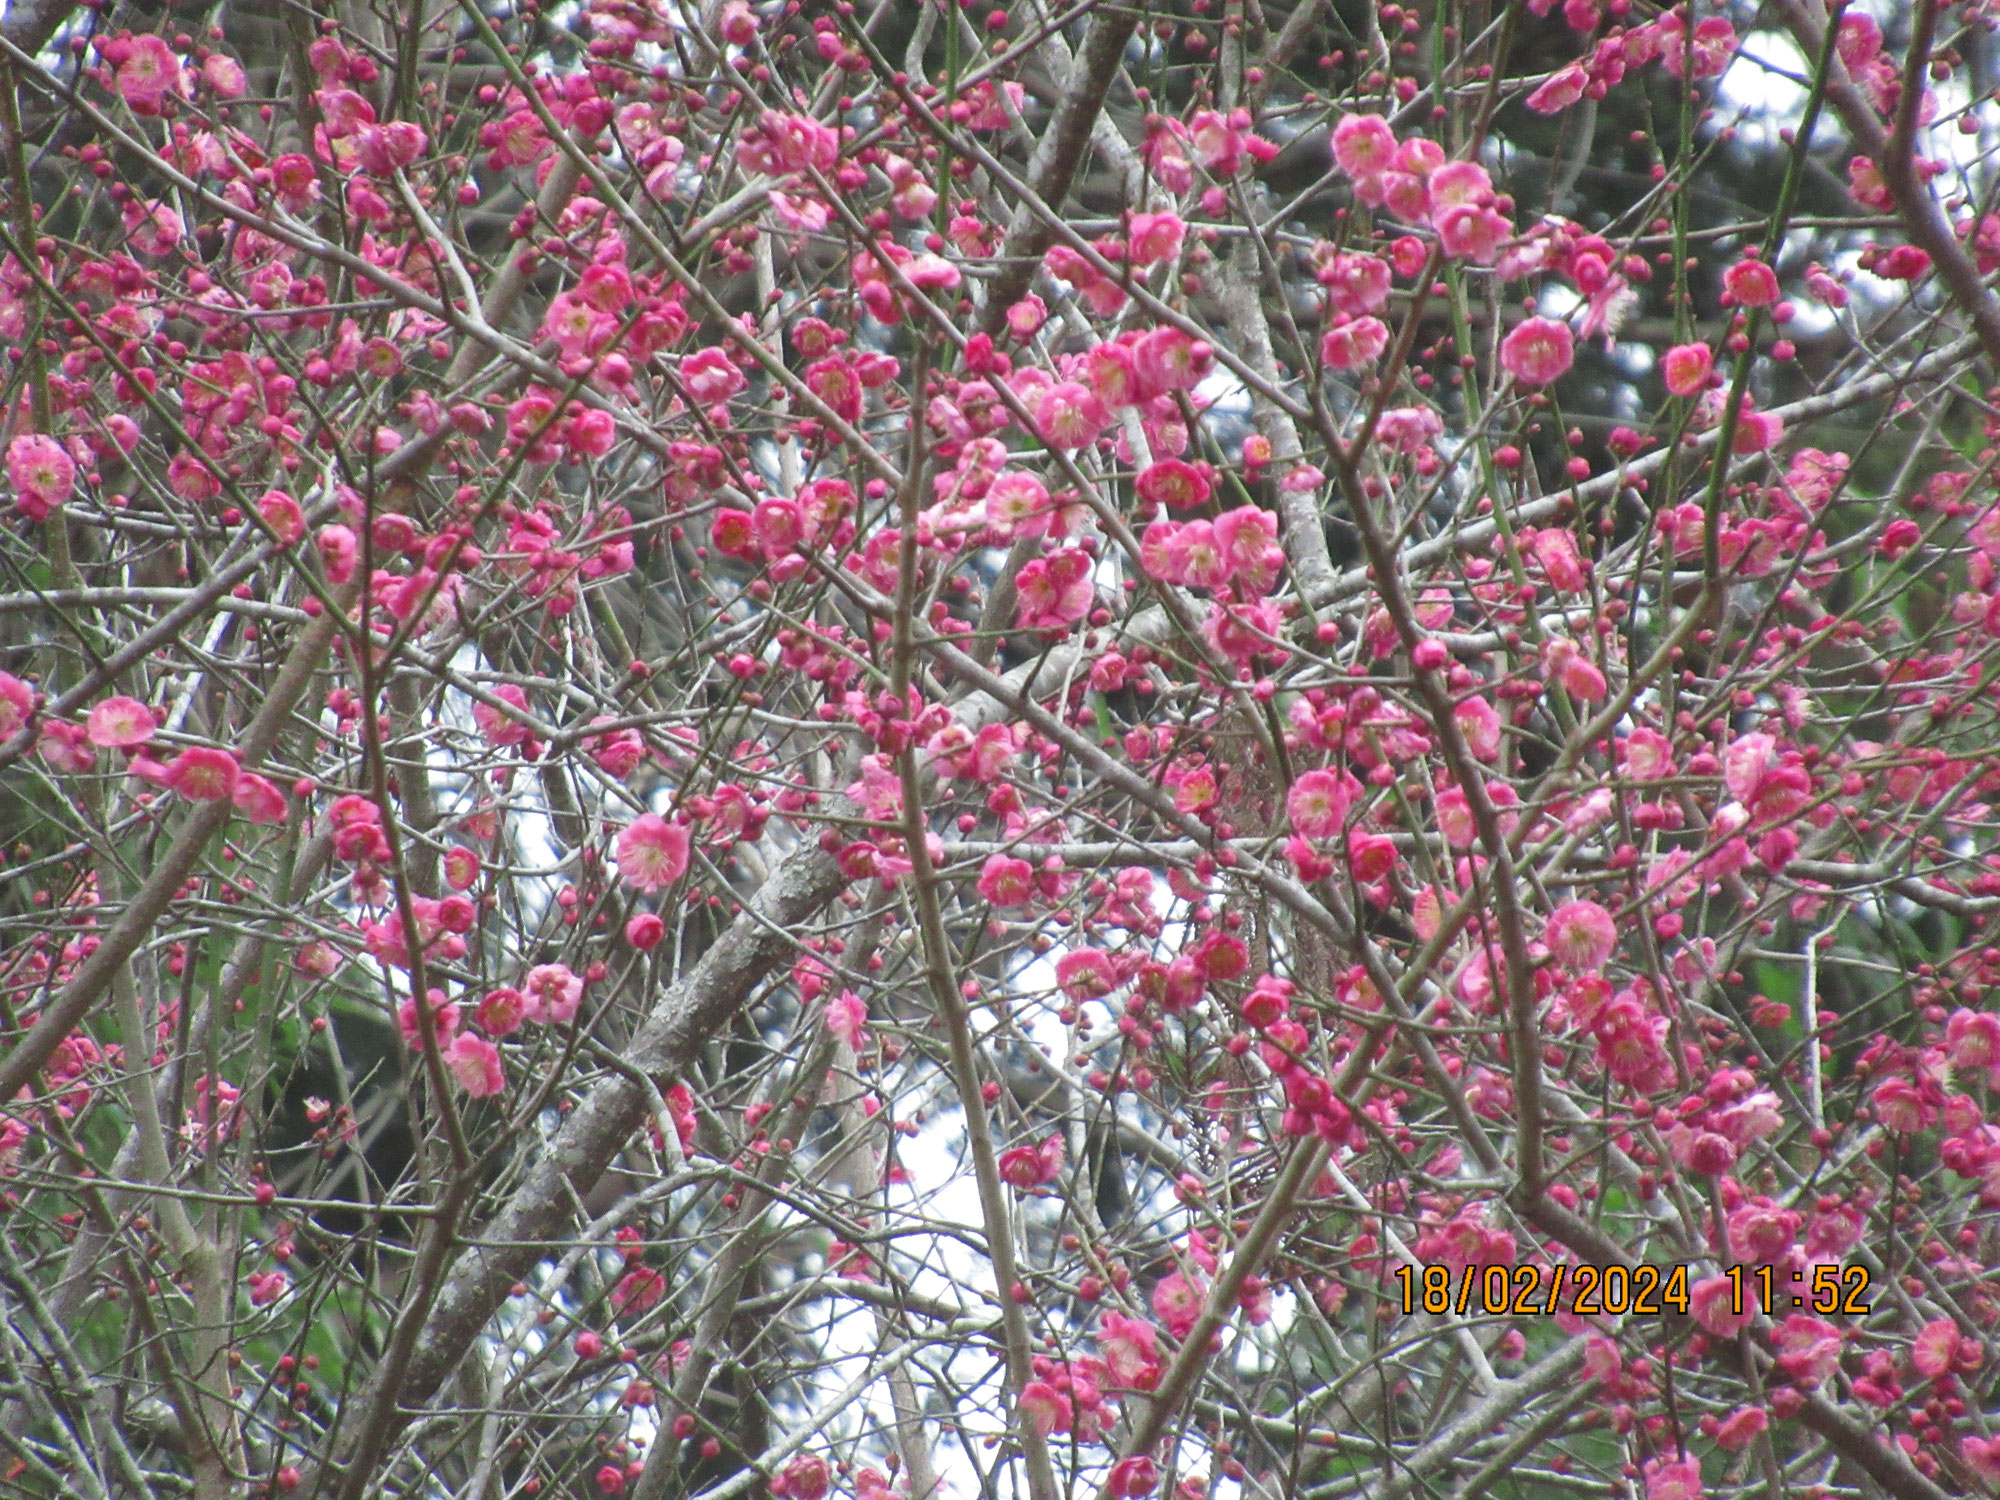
[65, 748]
[1756, 431]
[224, 75]
[777, 526]
[1402, 193]
[1247, 537]
[1560, 91]
[501, 1012]
[1982, 1456]
[1935, 1348]
[444, 1018]
[1017, 504]
[475, 1063]
[1408, 429]
[1555, 549]
[1026, 317]
[1750, 761]
[1713, 42]
[1085, 973]
[1174, 483]
[1070, 415]
[553, 992]
[1750, 283]
[1702, 1152]
[710, 376]
[1455, 820]
[1809, 1349]
[1026, 1168]
[1054, 592]
[1631, 1043]
[119, 724]
[1687, 368]
[1155, 237]
[1132, 1478]
[147, 73]
[932, 273]
[1112, 375]
[913, 197]
[1364, 145]
[1244, 632]
[503, 729]
[283, 515]
[1719, 1305]
[1356, 284]
[1903, 1107]
[1576, 673]
[847, 1019]
[1047, 1408]
[1751, 1118]
[1458, 184]
[805, 1477]
[257, 799]
[1740, 1427]
[1317, 803]
[1218, 140]
[1673, 1479]
[17, 704]
[1762, 1233]
[1130, 1347]
[1353, 344]
[203, 773]
[783, 143]
[267, 1287]
[1006, 881]
[1538, 351]
[339, 553]
[638, 1290]
[1420, 157]
[1646, 755]
[41, 471]
[1167, 360]
[1973, 1039]
[1581, 935]
[1473, 232]
[1177, 1302]
[1479, 723]
[652, 853]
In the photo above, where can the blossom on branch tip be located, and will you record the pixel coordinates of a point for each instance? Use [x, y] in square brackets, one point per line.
[1686, 368]
[475, 1063]
[1006, 881]
[41, 473]
[1353, 344]
[1025, 1168]
[1318, 803]
[554, 993]
[1559, 91]
[1581, 935]
[258, 799]
[1363, 145]
[652, 853]
[1538, 351]
[203, 773]
[120, 724]
[1053, 592]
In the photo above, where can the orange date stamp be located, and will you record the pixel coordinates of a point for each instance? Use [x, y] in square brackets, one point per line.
[1617, 1291]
